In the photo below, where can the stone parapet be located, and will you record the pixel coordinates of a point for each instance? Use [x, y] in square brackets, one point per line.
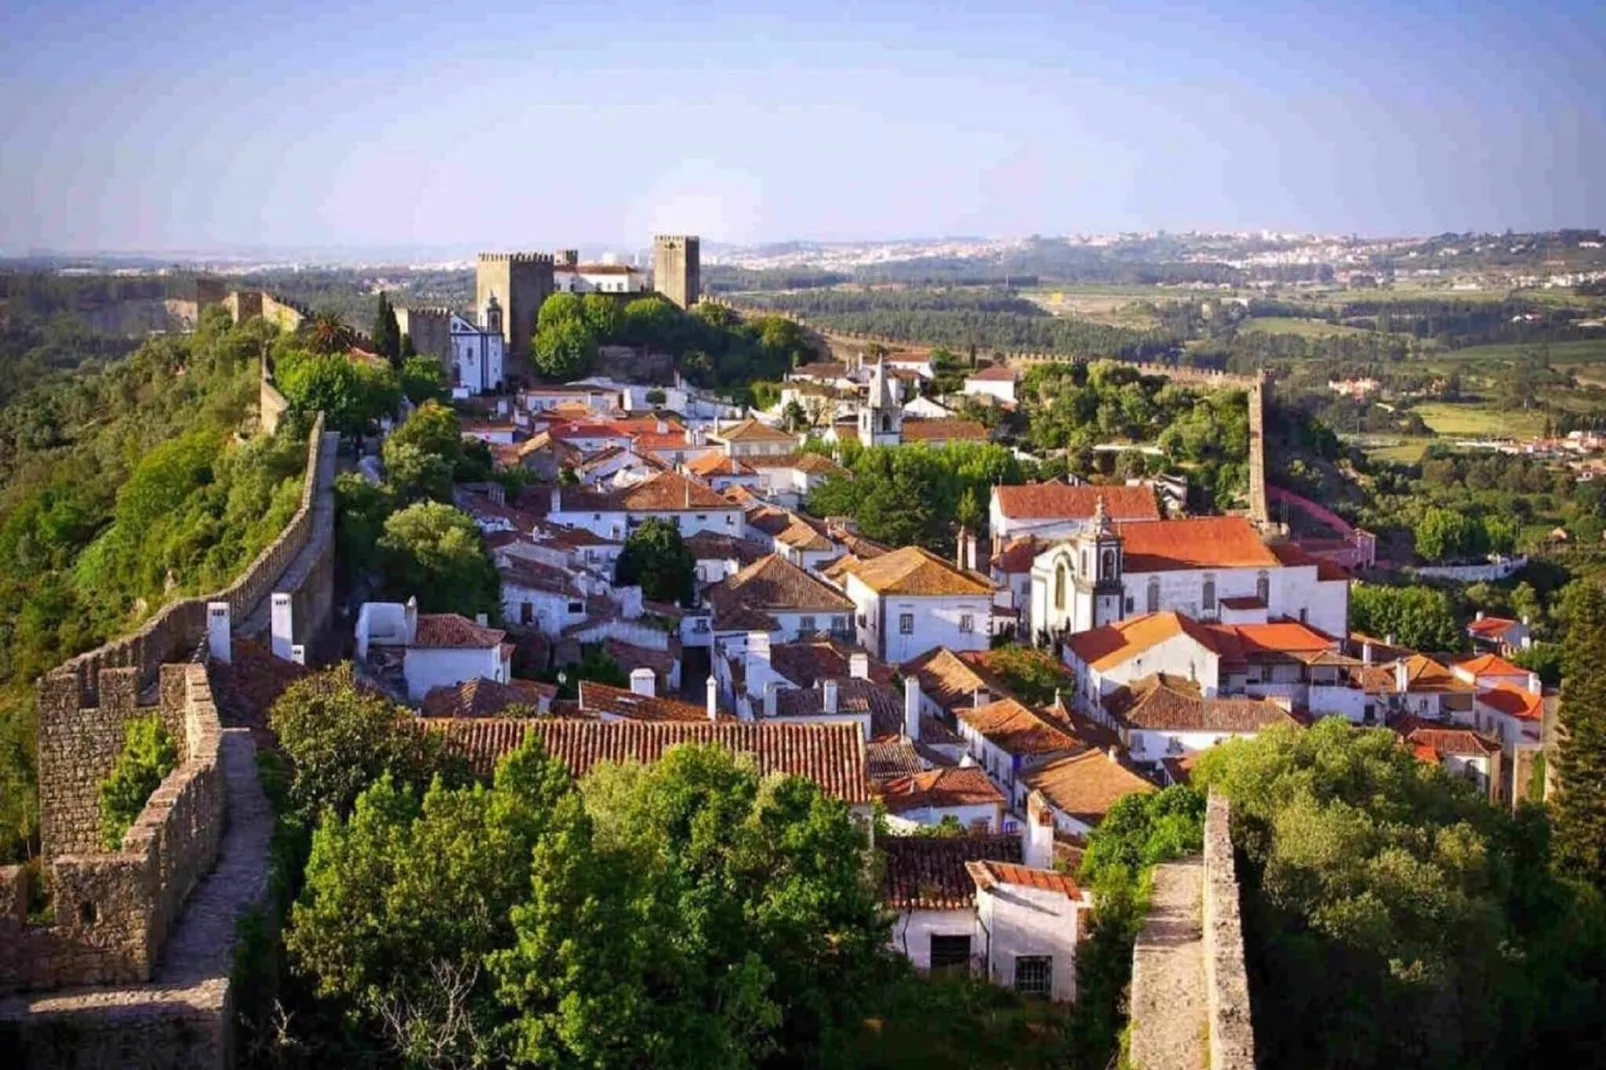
[1232, 1033]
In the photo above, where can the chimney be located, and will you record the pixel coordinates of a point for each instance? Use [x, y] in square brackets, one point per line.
[1113, 754]
[1479, 615]
[282, 625]
[557, 499]
[772, 694]
[643, 682]
[218, 643]
[959, 557]
[859, 665]
[660, 426]
[981, 697]
[1366, 653]
[1402, 677]
[410, 619]
[482, 619]
[1536, 686]
[828, 696]
[298, 654]
[968, 548]
[911, 708]
[1388, 640]
[1038, 846]
[712, 701]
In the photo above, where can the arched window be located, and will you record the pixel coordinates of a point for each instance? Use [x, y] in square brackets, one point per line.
[1263, 589]
[886, 423]
[1209, 598]
[1154, 594]
[1107, 569]
[1083, 569]
[1059, 585]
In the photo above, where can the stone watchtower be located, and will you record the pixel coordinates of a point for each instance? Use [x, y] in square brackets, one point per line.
[675, 268]
[520, 282]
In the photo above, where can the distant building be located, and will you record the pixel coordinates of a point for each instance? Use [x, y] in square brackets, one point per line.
[475, 363]
[998, 381]
[676, 268]
[599, 278]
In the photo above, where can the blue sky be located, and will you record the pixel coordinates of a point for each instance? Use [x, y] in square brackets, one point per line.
[180, 125]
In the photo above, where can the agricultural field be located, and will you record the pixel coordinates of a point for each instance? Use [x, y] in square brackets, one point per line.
[1586, 351]
[1305, 328]
[1475, 421]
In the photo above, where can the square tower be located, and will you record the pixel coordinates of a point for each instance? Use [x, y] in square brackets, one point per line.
[521, 282]
[675, 269]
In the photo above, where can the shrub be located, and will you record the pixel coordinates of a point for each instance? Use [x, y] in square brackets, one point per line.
[148, 755]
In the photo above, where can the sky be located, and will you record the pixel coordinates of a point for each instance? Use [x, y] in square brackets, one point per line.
[127, 125]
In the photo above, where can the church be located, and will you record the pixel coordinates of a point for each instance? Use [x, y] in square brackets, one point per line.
[475, 365]
[1213, 568]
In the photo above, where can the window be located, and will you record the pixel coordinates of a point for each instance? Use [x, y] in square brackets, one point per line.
[526, 612]
[839, 624]
[805, 624]
[1059, 586]
[906, 623]
[967, 622]
[1083, 569]
[699, 625]
[1303, 615]
[1208, 600]
[861, 620]
[702, 516]
[577, 607]
[1129, 603]
[950, 953]
[729, 520]
[596, 516]
[1263, 588]
[1107, 569]
[1034, 975]
[1154, 594]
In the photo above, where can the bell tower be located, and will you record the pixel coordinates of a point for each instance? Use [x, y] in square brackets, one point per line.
[1099, 588]
[880, 417]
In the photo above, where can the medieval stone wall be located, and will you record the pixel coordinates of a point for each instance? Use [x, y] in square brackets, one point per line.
[1232, 1034]
[113, 909]
[430, 330]
[521, 282]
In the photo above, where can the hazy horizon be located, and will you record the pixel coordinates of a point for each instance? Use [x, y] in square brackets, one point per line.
[191, 127]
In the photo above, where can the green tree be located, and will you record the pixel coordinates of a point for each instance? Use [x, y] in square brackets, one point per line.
[1418, 617]
[326, 334]
[434, 429]
[435, 553]
[360, 512]
[564, 350]
[148, 755]
[656, 557]
[1581, 747]
[777, 937]
[351, 396]
[387, 331]
[423, 379]
[341, 736]
[601, 315]
[1445, 534]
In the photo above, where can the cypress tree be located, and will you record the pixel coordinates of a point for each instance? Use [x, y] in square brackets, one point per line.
[387, 331]
[1581, 749]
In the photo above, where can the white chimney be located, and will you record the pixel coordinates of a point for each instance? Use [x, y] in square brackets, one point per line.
[1402, 677]
[1536, 686]
[281, 625]
[1113, 755]
[410, 619]
[660, 426]
[1366, 652]
[482, 619]
[1479, 615]
[218, 642]
[298, 654]
[557, 500]
[981, 697]
[772, 695]
[828, 696]
[712, 688]
[859, 665]
[643, 682]
[1037, 846]
[1388, 640]
[911, 708]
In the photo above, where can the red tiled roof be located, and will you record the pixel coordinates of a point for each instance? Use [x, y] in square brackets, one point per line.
[604, 700]
[1169, 703]
[1490, 665]
[1193, 543]
[808, 661]
[944, 430]
[831, 755]
[450, 631]
[988, 874]
[1086, 785]
[914, 571]
[892, 756]
[998, 373]
[1017, 554]
[1514, 702]
[669, 491]
[485, 698]
[928, 872]
[773, 584]
[966, 785]
[751, 430]
[1440, 740]
[951, 681]
[1053, 501]
[1490, 627]
[1016, 729]
[717, 464]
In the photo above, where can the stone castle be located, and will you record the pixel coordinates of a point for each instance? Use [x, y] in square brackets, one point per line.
[676, 267]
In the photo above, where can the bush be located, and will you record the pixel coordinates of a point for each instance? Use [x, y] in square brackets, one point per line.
[148, 755]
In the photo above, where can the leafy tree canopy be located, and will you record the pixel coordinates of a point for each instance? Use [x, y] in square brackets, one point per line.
[435, 553]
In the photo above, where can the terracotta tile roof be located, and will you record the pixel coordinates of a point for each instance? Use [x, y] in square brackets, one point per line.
[522, 572]
[751, 430]
[486, 698]
[714, 546]
[892, 756]
[1490, 665]
[966, 785]
[1111, 645]
[1173, 704]
[630, 656]
[1013, 727]
[803, 536]
[717, 464]
[950, 681]
[773, 584]
[1194, 543]
[998, 373]
[943, 430]
[669, 491]
[1330, 572]
[989, 874]
[1016, 555]
[247, 686]
[603, 700]
[768, 519]
[450, 631]
[853, 696]
[858, 546]
[914, 570]
[831, 755]
[928, 872]
[1423, 674]
[1052, 501]
[1441, 740]
[1246, 602]
[1514, 702]
[806, 662]
[1490, 627]
[1085, 786]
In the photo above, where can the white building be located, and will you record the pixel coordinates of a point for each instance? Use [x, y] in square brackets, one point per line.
[933, 898]
[1009, 739]
[881, 415]
[999, 382]
[911, 600]
[430, 649]
[751, 438]
[1060, 511]
[1206, 568]
[540, 596]
[774, 597]
[962, 793]
[599, 278]
[689, 505]
[1033, 920]
[1077, 791]
[1160, 717]
[476, 361]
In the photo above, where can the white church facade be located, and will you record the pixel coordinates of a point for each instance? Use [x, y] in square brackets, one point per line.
[475, 366]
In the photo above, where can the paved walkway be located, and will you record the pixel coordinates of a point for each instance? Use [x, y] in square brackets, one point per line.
[1169, 1002]
[258, 622]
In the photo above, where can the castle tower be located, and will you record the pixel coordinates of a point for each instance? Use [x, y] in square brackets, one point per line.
[568, 258]
[521, 282]
[675, 268]
[880, 417]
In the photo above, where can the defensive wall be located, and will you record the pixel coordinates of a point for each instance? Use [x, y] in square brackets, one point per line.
[1190, 988]
[282, 312]
[180, 626]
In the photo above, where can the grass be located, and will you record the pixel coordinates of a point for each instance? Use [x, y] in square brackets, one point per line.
[1461, 420]
[1586, 351]
[1305, 328]
[1400, 451]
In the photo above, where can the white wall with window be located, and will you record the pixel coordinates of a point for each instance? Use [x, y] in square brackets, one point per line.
[1032, 935]
[549, 612]
[939, 940]
[898, 627]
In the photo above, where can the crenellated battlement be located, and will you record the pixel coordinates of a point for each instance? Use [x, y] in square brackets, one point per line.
[516, 258]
